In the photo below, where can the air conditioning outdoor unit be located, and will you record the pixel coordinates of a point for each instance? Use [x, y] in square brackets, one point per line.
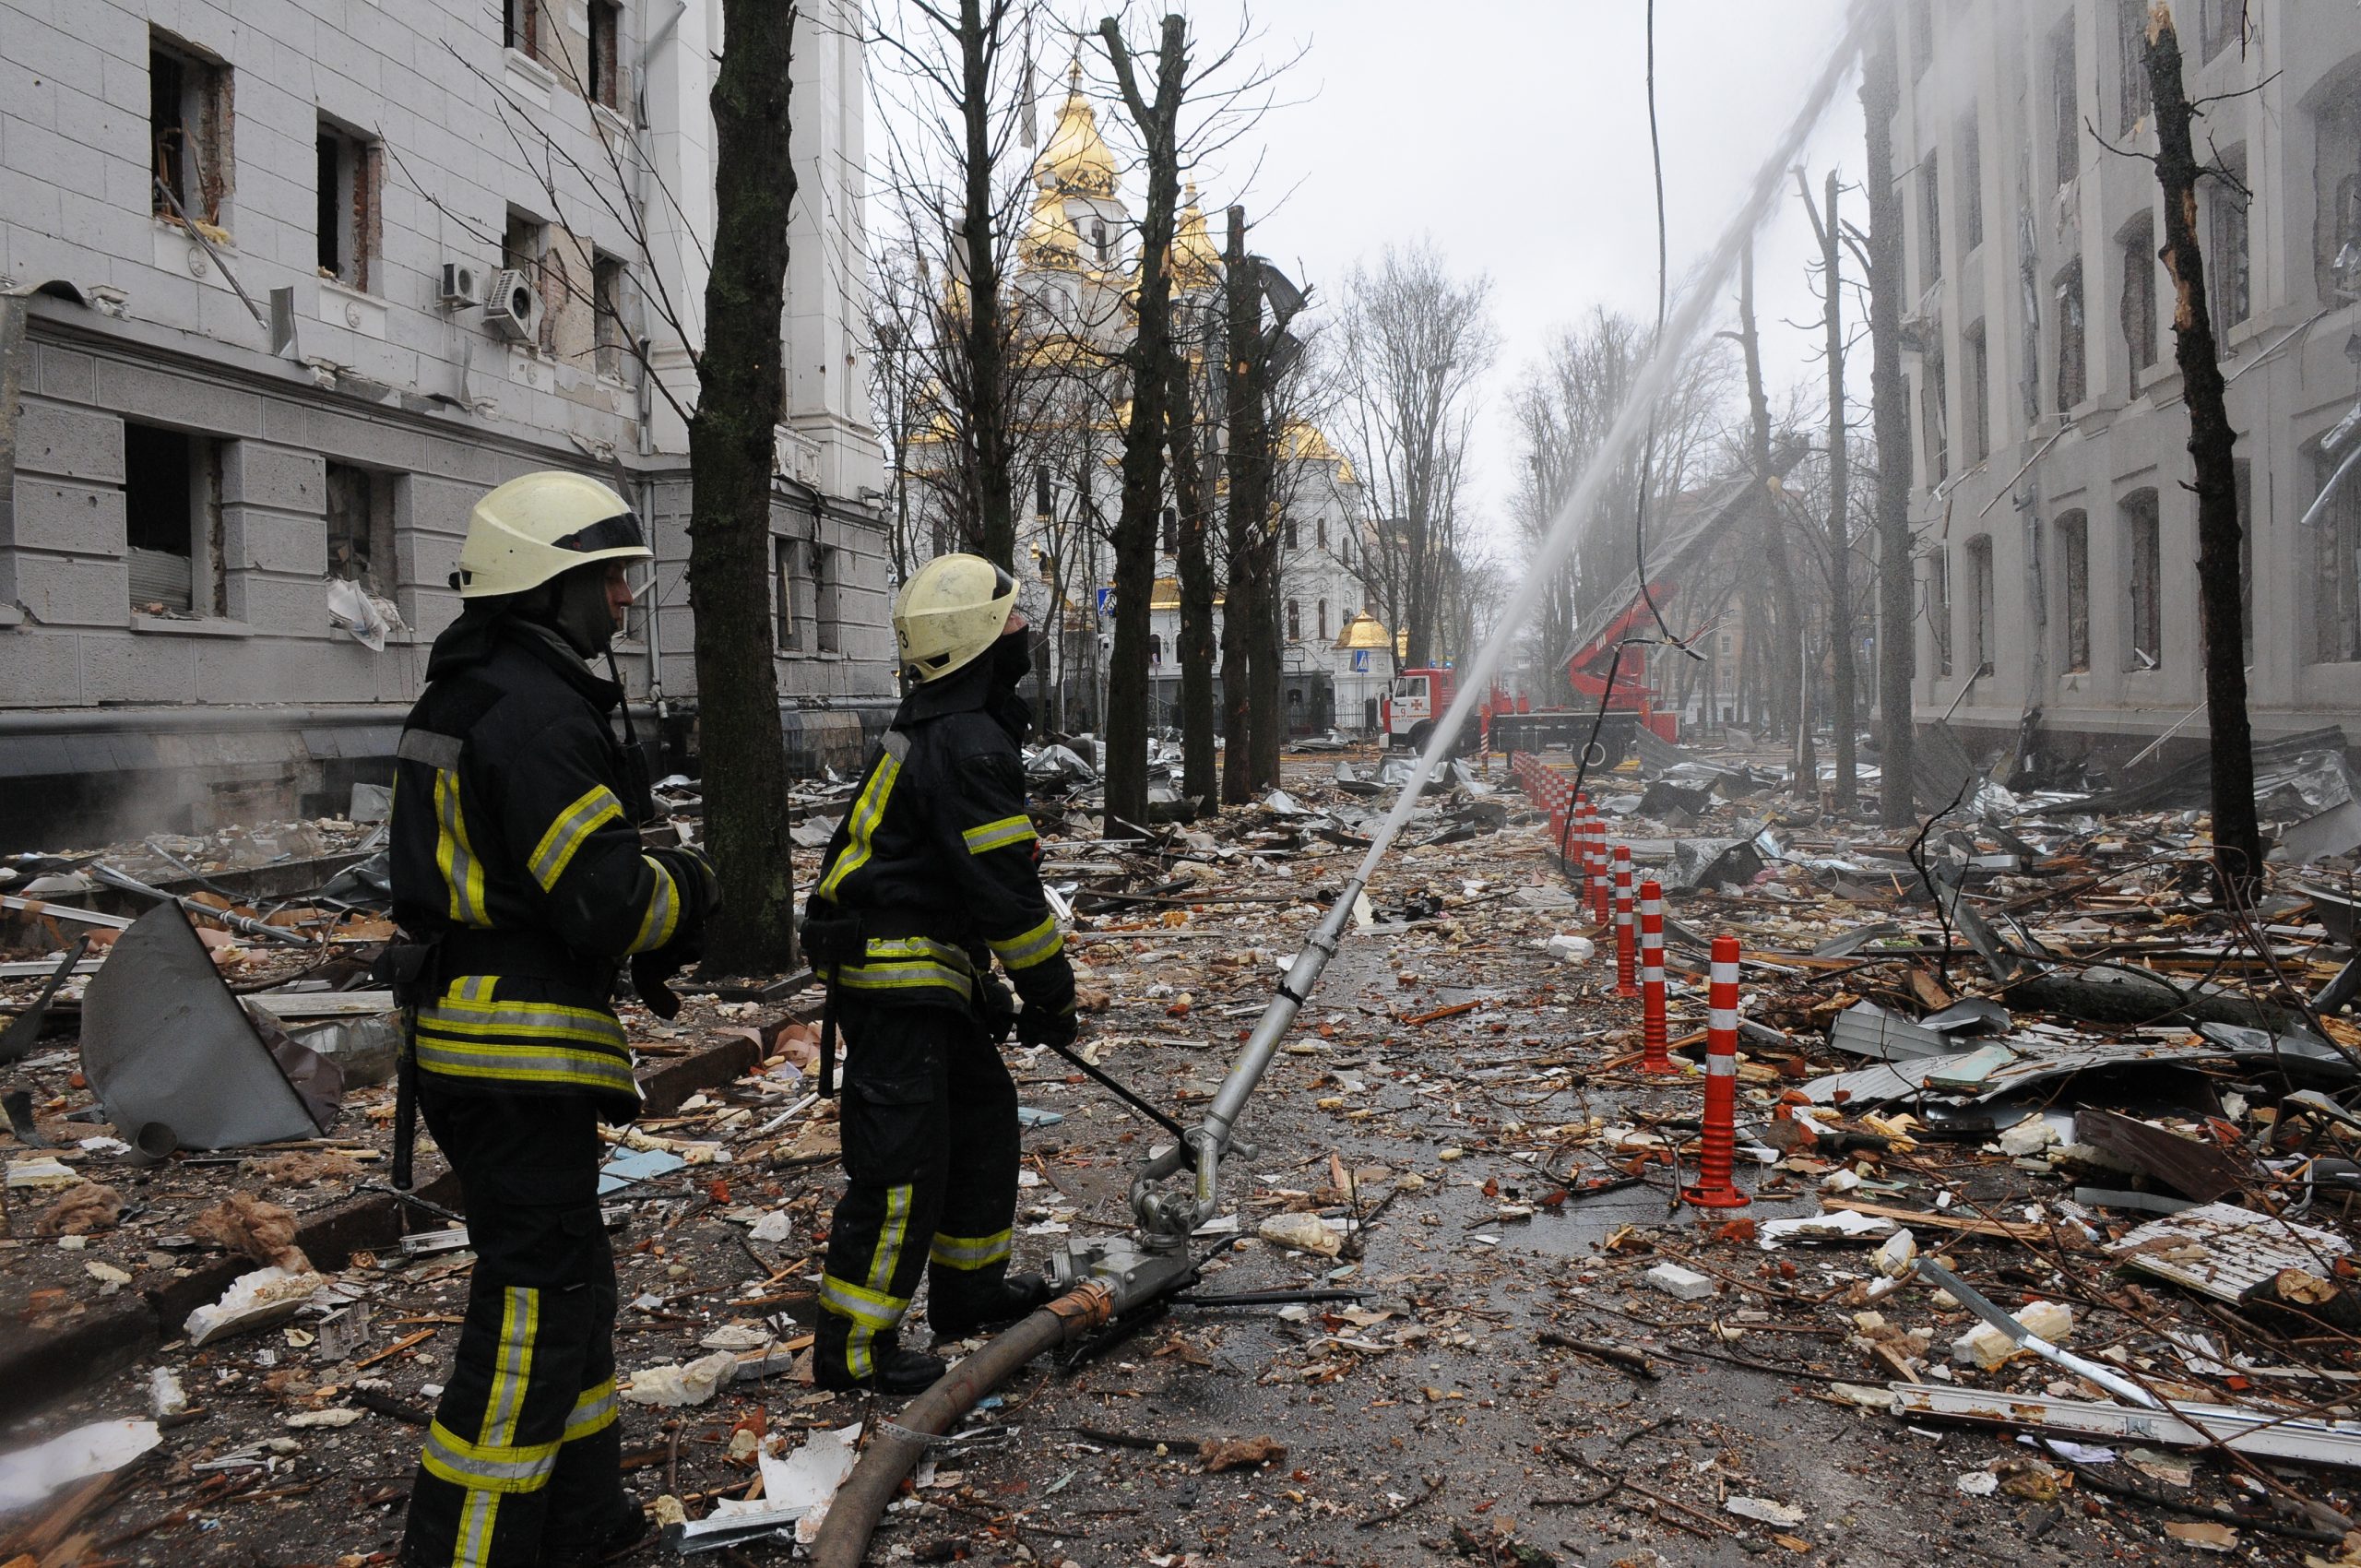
[515, 307]
[462, 284]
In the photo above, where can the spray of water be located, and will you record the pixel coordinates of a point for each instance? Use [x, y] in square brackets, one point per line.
[1159, 1213]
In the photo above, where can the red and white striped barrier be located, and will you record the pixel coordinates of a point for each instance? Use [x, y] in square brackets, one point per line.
[1626, 955]
[1654, 1035]
[1716, 1159]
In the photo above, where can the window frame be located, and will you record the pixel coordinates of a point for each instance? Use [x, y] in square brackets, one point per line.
[351, 213]
[2140, 525]
[200, 94]
[195, 494]
[2072, 531]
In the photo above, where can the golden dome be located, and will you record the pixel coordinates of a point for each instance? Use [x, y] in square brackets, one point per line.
[1304, 441]
[1052, 241]
[1075, 160]
[1195, 263]
[1363, 631]
[1165, 595]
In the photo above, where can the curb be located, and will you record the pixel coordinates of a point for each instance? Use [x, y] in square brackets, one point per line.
[40, 1368]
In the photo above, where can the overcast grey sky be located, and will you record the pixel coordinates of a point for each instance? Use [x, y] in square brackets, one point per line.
[1514, 134]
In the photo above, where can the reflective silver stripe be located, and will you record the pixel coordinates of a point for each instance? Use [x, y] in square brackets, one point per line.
[594, 1412]
[438, 752]
[575, 824]
[1720, 1066]
[999, 835]
[526, 1020]
[1652, 973]
[1724, 1018]
[663, 911]
[870, 1309]
[1035, 946]
[542, 1064]
[969, 1252]
[474, 1465]
[519, 1322]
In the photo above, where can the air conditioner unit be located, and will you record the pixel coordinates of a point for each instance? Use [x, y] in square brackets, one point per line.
[515, 307]
[462, 284]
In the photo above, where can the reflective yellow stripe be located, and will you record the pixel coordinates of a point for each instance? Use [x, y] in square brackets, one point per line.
[969, 1252]
[575, 824]
[663, 916]
[595, 1411]
[867, 813]
[488, 1467]
[1039, 945]
[455, 855]
[520, 1319]
[907, 962]
[999, 835]
[890, 1238]
[534, 1066]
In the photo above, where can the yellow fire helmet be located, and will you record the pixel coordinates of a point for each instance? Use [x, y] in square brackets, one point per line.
[530, 530]
[950, 610]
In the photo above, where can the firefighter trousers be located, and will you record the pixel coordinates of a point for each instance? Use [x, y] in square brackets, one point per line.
[523, 1460]
[929, 1124]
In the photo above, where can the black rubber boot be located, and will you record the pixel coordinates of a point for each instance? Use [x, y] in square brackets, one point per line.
[898, 1371]
[998, 1306]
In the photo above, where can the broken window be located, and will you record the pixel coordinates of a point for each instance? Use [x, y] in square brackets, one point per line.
[606, 30]
[611, 336]
[2065, 103]
[2336, 568]
[1978, 396]
[361, 526]
[827, 621]
[1981, 647]
[2073, 377]
[189, 121]
[524, 247]
[1934, 415]
[520, 25]
[172, 495]
[2336, 250]
[797, 605]
[2133, 97]
[1930, 220]
[1939, 608]
[2074, 577]
[1971, 186]
[2142, 530]
[2139, 305]
[1295, 622]
[348, 221]
[2227, 260]
[2219, 24]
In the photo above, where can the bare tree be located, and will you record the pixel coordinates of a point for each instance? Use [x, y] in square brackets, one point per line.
[1839, 548]
[740, 398]
[1897, 645]
[1416, 343]
[2237, 835]
[1786, 651]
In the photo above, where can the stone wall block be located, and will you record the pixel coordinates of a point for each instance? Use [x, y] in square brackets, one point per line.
[255, 473]
[57, 515]
[57, 590]
[41, 668]
[52, 438]
[254, 539]
[137, 667]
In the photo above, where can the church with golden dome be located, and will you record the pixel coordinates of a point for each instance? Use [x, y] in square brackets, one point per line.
[1075, 270]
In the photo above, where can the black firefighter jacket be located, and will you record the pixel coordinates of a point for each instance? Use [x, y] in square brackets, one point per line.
[933, 865]
[513, 846]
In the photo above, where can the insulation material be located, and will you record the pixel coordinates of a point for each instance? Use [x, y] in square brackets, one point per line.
[2224, 1250]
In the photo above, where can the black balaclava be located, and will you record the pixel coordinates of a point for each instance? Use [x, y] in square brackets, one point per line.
[573, 605]
[1012, 661]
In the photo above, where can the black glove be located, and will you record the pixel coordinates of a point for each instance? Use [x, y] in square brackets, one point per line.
[1037, 1026]
[996, 1004]
[650, 970]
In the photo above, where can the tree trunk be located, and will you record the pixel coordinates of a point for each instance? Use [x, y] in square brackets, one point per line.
[1143, 436]
[1243, 652]
[1267, 694]
[1843, 680]
[1786, 653]
[1889, 400]
[740, 392]
[1192, 490]
[2238, 837]
[986, 353]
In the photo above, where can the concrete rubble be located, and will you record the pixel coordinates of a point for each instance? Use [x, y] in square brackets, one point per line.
[2020, 1050]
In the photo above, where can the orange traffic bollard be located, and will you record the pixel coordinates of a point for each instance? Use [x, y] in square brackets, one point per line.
[1626, 982]
[1602, 887]
[1654, 1037]
[1715, 1161]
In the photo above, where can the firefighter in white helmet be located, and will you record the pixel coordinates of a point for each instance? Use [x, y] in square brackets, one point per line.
[930, 878]
[521, 885]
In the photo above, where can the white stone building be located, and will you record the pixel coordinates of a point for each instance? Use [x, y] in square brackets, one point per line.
[285, 292]
[2057, 534]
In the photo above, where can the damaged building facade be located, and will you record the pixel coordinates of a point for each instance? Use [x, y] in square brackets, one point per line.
[2058, 571]
[289, 285]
